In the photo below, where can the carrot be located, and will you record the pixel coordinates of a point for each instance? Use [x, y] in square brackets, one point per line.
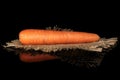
[26, 57]
[37, 36]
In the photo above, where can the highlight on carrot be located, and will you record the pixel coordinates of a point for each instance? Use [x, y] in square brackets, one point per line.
[37, 36]
[29, 58]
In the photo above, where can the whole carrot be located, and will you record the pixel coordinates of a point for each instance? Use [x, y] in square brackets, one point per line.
[37, 36]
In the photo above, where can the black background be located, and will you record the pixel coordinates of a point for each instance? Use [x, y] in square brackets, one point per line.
[101, 20]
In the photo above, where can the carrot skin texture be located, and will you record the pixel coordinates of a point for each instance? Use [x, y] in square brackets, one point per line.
[36, 36]
[28, 58]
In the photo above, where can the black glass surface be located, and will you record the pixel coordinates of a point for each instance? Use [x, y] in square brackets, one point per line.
[103, 24]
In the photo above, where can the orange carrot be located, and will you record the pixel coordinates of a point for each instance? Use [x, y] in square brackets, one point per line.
[37, 36]
[26, 57]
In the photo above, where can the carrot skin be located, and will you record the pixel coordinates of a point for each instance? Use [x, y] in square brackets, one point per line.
[36, 36]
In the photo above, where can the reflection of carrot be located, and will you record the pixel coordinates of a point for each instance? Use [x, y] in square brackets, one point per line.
[26, 57]
[36, 36]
